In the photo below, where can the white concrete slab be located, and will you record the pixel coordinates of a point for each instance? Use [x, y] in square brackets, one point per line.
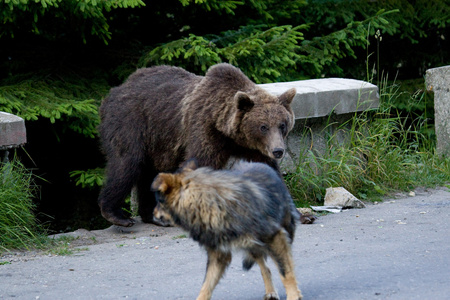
[321, 97]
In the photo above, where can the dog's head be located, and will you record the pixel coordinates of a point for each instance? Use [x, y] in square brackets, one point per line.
[168, 190]
[167, 186]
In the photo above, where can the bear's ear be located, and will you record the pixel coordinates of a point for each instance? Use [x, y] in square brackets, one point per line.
[163, 183]
[287, 97]
[243, 102]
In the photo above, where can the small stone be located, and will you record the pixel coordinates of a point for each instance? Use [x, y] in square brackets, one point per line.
[341, 197]
[304, 210]
[412, 194]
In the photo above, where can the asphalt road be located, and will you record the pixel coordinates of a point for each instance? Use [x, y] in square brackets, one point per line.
[398, 249]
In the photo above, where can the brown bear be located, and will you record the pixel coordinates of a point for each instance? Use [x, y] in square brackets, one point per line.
[162, 116]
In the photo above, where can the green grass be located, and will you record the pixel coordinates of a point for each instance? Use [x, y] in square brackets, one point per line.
[19, 228]
[387, 150]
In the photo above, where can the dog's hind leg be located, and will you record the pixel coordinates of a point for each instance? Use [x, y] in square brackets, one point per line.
[215, 268]
[280, 251]
[260, 259]
[271, 293]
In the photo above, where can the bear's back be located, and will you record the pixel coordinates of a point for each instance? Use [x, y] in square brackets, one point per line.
[150, 84]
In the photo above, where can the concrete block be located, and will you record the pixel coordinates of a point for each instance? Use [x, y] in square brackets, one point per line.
[12, 131]
[341, 197]
[321, 107]
[438, 81]
[321, 97]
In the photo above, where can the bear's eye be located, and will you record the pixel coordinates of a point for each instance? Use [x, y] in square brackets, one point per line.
[283, 128]
[264, 128]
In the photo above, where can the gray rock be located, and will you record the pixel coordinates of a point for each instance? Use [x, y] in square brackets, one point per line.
[343, 198]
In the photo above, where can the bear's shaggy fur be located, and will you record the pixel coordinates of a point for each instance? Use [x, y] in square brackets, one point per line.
[163, 116]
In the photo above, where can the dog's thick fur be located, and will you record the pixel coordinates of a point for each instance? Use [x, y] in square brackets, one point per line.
[248, 207]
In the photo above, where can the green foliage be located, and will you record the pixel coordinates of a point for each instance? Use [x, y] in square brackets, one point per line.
[36, 97]
[413, 22]
[227, 5]
[261, 53]
[267, 54]
[414, 104]
[193, 50]
[415, 38]
[322, 54]
[18, 225]
[88, 178]
[81, 16]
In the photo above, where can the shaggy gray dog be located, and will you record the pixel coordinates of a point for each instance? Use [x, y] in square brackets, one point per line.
[247, 207]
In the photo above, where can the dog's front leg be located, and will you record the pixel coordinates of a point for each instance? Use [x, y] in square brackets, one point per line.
[215, 268]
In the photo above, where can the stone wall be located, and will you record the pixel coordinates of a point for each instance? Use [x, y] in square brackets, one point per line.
[322, 107]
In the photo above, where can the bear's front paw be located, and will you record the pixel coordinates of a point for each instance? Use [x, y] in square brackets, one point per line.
[124, 222]
[118, 219]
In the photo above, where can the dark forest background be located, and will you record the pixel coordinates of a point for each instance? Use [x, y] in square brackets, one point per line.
[58, 59]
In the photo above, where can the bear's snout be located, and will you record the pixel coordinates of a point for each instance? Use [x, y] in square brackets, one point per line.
[278, 152]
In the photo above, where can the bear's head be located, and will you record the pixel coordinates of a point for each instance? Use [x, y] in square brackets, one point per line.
[262, 121]
[250, 116]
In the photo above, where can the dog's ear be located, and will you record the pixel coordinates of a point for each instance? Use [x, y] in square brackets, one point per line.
[190, 165]
[163, 183]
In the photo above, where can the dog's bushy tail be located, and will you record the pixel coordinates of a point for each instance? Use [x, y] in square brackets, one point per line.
[248, 262]
[251, 258]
